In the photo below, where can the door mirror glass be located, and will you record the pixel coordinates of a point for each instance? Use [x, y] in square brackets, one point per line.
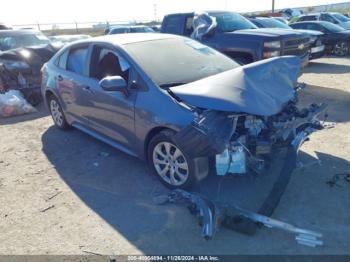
[114, 83]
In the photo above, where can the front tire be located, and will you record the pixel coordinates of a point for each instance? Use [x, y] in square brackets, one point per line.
[57, 113]
[169, 163]
[341, 48]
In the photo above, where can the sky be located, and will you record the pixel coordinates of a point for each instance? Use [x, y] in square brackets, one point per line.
[48, 11]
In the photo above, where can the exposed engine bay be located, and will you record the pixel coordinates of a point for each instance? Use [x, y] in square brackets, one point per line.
[20, 70]
[242, 142]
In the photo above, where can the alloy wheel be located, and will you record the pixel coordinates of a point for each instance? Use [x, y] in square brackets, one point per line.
[170, 163]
[56, 112]
[341, 49]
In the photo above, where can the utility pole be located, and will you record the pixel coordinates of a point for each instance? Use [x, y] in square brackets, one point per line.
[273, 6]
[155, 11]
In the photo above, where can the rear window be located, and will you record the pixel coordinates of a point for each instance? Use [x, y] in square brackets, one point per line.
[173, 25]
[77, 59]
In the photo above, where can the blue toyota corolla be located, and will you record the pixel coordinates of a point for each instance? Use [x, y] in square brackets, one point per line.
[176, 103]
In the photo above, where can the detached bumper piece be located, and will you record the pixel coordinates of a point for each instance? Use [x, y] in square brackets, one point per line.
[212, 214]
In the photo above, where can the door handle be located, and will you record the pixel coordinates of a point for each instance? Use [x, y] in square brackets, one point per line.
[87, 89]
[59, 78]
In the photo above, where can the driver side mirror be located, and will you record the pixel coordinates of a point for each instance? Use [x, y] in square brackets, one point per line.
[114, 83]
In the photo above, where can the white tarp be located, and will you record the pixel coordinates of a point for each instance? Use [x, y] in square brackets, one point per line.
[202, 24]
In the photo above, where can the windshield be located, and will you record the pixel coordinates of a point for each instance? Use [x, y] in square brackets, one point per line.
[228, 22]
[175, 61]
[332, 27]
[341, 18]
[12, 41]
[273, 23]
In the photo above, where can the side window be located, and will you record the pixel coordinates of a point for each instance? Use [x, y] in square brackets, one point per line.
[61, 60]
[77, 59]
[314, 27]
[308, 18]
[327, 18]
[106, 62]
[189, 26]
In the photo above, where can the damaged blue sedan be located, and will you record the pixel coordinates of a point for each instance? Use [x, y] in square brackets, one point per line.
[178, 104]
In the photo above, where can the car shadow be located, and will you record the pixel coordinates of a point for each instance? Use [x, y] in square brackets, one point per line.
[120, 189]
[338, 101]
[41, 112]
[326, 68]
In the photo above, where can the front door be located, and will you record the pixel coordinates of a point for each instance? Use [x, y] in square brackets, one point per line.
[111, 113]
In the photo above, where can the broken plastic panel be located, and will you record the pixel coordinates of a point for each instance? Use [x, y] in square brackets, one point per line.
[231, 161]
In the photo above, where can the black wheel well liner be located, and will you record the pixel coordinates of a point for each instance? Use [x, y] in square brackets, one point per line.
[153, 132]
[48, 94]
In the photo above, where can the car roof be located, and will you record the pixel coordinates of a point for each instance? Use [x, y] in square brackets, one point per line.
[124, 39]
[128, 26]
[311, 22]
[18, 32]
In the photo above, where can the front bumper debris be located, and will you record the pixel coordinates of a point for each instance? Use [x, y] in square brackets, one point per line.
[214, 214]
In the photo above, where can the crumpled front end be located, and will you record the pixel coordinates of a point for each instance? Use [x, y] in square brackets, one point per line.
[20, 70]
[241, 142]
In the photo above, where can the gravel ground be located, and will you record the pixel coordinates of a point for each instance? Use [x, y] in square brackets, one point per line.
[66, 193]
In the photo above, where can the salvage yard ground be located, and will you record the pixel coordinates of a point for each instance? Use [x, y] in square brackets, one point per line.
[66, 193]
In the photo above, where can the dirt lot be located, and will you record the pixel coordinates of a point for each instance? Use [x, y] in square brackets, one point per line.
[66, 193]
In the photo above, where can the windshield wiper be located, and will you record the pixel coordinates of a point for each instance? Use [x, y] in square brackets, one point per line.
[167, 85]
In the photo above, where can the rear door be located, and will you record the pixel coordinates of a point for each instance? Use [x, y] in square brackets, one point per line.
[72, 81]
[111, 113]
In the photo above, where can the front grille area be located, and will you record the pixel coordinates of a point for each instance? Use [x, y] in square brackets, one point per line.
[297, 47]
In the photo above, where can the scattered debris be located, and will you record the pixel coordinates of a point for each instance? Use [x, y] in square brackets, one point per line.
[334, 180]
[12, 103]
[92, 253]
[53, 196]
[48, 208]
[212, 214]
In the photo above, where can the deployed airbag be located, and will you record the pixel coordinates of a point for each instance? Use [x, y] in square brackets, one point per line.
[262, 88]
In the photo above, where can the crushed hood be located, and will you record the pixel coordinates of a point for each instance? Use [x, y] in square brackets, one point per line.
[262, 88]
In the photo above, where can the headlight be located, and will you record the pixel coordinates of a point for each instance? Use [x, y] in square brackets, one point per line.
[271, 54]
[313, 39]
[274, 44]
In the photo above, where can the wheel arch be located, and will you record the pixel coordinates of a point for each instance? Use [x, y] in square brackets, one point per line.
[152, 133]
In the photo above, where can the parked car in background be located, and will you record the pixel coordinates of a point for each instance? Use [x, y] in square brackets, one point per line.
[179, 108]
[61, 40]
[332, 17]
[336, 38]
[237, 37]
[4, 27]
[11, 39]
[156, 28]
[317, 48]
[23, 53]
[129, 29]
[281, 19]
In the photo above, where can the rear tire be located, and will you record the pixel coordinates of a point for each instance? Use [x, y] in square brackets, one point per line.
[57, 113]
[169, 163]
